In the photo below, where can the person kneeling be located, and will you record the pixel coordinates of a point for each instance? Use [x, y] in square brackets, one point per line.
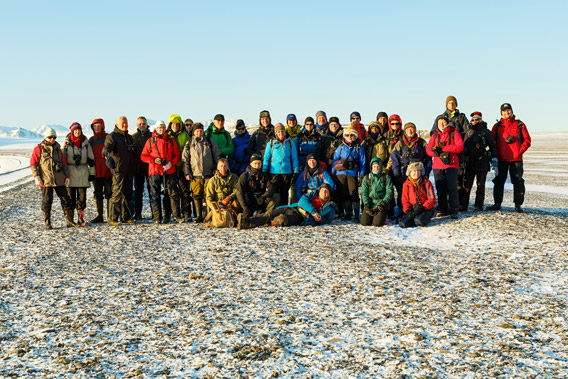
[376, 191]
[314, 208]
[418, 199]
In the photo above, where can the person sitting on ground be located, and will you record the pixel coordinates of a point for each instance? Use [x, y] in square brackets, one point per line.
[255, 191]
[51, 173]
[314, 208]
[376, 192]
[200, 157]
[222, 188]
[418, 199]
[161, 153]
[313, 176]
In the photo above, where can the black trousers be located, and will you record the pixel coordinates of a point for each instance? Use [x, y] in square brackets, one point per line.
[447, 189]
[78, 197]
[47, 199]
[136, 204]
[102, 188]
[291, 214]
[348, 187]
[376, 220]
[469, 178]
[281, 183]
[515, 169]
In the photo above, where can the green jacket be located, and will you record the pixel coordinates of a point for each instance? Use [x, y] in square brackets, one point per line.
[218, 188]
[293, 132]
[376, 188]
[222, 139]
[181, 137]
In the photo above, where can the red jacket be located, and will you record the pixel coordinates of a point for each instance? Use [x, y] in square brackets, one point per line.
[362, 132]
[511, 152]
[423, 190]
[451, 141]
[163, 147]
[97, 143]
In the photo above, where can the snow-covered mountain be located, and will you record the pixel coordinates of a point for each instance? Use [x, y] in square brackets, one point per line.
[15, 132]
[59, 129]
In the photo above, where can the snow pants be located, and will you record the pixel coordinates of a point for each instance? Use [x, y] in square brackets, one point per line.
[515, 169]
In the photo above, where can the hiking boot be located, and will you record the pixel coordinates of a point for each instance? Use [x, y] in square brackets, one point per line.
[69, 215]
[241, 222]
[494, 207]
[48, 224]
[518, 209]
[442, 214]
[348, 209]
[454, 215]
[179, 220]
[157, 221]
[477, 209]
[114, 223]
[279, 221]
[130, 221]
[97, 220]
[99, 207]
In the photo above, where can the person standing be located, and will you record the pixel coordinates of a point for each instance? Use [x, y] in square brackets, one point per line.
[239, 160]
[81, 166]
[222, 138]
[355, 118]
[383, 120]
[395, 132]
[161, 153]
[51, 174]
[321, 122]
[444, 146]
[453, 115]
[181, 138]
[513, 139]
[140, 179]
[102, 183]
[349, 164]
[329, 142]
[479, 152]
[307, 143]
[292, 126]
[188, 125]
[262, 135]
[281, 161]
[200, 158]
[122, 150]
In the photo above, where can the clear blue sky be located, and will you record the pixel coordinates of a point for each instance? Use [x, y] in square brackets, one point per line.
[64, 61]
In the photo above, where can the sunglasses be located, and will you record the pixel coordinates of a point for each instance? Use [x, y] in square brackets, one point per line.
[309, 124]
[240, 128]
[187, 124]
[395, 123]
[50, 137]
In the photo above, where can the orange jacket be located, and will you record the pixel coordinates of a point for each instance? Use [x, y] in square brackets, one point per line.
[424, 191]
[163, 147]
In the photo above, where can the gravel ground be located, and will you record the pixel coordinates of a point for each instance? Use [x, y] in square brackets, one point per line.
[481, 296]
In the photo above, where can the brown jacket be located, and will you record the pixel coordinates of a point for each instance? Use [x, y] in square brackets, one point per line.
[49, 164]
[123, 149]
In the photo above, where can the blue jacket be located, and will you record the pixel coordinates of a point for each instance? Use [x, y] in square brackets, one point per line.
[326, 211]
[405, 153]
[307, 144]
[354, 152]
[280, 157]
[308, 184]
[239, 159]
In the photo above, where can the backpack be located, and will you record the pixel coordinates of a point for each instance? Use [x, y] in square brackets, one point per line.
[221, 217]
[155, 141]
[305, 177]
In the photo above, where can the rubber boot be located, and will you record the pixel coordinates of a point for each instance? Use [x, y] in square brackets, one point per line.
[177, 213]
[156, 213]
[348, 209]
[355, 205]
[198, 210]
[69, 215]
[47, 219]
[251, 222]
[99, 207]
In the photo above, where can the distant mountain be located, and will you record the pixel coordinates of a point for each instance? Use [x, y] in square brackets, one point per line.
[14, 132]
[59, 129]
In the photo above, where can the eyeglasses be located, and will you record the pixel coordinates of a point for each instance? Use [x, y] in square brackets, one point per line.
[50, 137]
[187, 124]
[356, 118]
[309, 124]
[240, 128]
[395, 123]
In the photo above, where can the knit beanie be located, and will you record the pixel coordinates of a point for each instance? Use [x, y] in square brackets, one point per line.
[352, 131]
[74, 126]
[334, 119]
[255, 157]
[264, 114]
[291, 116]
[219, 117]
[476, 115]
[409, 125]
[279, 127]
[321, 113]
[506, 106]
[49, 132]
[310, 119]
[197, 125]
[382, 114]
[449, 98]
[355, 114]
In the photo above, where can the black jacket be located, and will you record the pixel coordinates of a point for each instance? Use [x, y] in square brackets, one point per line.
[123, 149]
[141, 168]
[250, 187]
[479, 147]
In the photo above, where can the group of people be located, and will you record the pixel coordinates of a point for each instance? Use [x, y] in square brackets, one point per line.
[283, 174]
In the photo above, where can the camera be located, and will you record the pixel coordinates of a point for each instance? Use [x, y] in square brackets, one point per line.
[164, 162]
[77, 159]
[350, 164]
[445, 157]
[58, 167]
[130, 148]
[509, 139]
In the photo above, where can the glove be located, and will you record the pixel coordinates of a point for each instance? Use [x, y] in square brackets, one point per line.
[189, 177]
[436, 150]
[380, 208]
[38, 181]
[369, 211]
[418, 208]
[410, 213]
[260, 200]
[157, 161]
[509, 139]
[360, 180]
[67, 181]
[168, 166]
[91, 178]
[246, 212]
[226, 201]
[91, 162]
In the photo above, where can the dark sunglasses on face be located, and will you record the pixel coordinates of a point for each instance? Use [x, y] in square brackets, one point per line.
[240, 128]
[395, 123]
[50, 137]
[309, 124]
[187, 124]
